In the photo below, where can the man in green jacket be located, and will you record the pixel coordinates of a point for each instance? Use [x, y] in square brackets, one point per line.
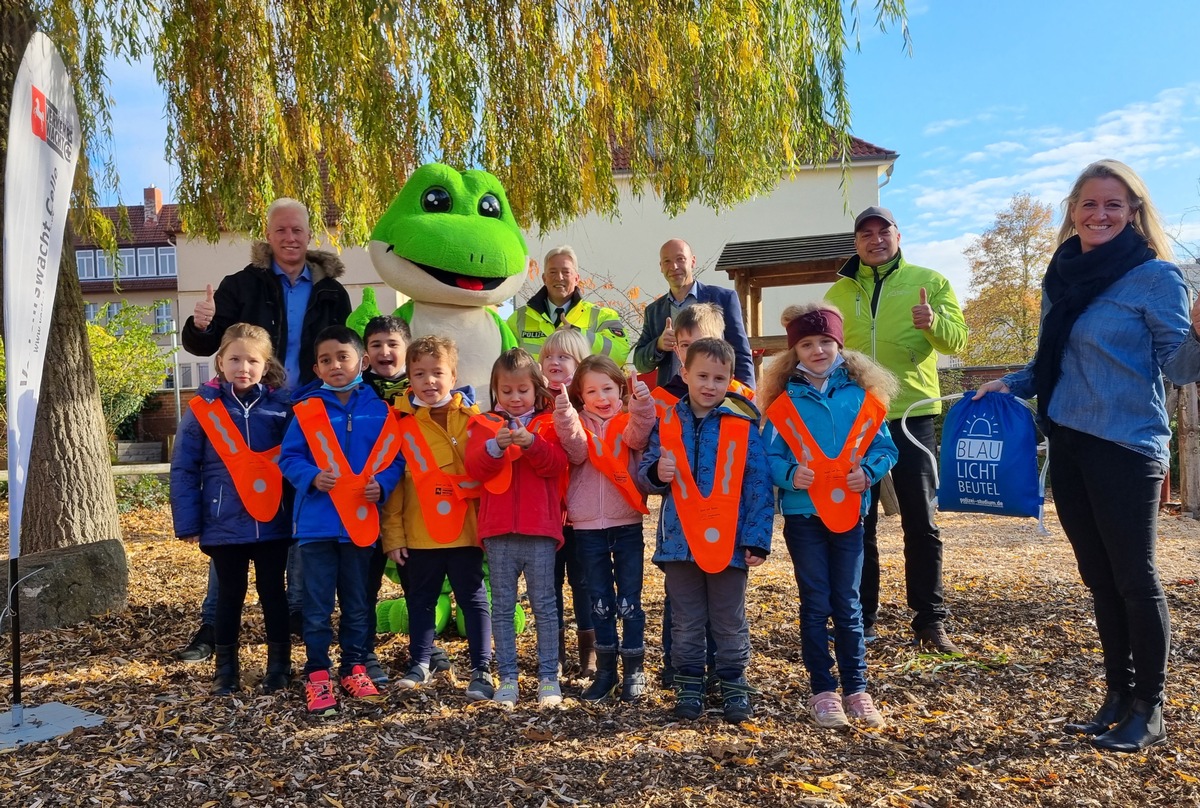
[559, 303]
[903, 316]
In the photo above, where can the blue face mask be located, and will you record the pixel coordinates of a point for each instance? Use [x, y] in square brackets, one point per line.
[344, 388]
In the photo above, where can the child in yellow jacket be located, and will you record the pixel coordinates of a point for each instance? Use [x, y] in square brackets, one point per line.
[429, 522]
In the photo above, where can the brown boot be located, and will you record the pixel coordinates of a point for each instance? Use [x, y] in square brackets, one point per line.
[587, 653]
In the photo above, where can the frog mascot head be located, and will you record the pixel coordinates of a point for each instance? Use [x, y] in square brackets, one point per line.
[450, 242]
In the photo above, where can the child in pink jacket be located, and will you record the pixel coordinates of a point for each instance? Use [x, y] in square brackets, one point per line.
[604, 442]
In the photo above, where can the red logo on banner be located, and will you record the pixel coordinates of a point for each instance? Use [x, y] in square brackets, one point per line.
[39, 113]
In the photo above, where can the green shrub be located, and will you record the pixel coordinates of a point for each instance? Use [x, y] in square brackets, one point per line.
[146, 491]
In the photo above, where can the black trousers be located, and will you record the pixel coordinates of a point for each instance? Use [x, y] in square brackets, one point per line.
[1107, 500]
[232, 562]
[913, 479]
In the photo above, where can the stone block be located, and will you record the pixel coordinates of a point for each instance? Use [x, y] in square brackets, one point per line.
[71, 584]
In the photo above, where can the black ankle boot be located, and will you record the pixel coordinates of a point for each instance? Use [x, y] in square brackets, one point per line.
[1115, 707]
[633, 686]
[200, 647]
[228, 676]
[604, 684]
[279, 667]
[1141, 728]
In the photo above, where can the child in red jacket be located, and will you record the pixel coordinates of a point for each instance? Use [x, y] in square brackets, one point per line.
[515, 452]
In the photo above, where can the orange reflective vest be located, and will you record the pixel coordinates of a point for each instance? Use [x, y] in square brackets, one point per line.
[541, 424]
[611, 458]
[709, 522]
[359, 517]
[838, 506]
[442, 496]
[256, 475]
[665, 401]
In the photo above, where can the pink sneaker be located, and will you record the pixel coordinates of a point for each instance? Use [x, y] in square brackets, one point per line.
[358, 684]
[860, 707]
[827, 710]
[318, 690]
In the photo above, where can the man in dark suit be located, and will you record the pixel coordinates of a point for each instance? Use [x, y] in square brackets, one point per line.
[655, 347]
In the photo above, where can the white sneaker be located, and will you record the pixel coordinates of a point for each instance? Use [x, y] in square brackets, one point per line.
[549, 693]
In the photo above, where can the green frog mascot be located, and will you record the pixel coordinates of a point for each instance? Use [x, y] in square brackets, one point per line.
[449, 242]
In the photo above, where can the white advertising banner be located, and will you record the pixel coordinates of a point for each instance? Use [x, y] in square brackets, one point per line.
[43, 145]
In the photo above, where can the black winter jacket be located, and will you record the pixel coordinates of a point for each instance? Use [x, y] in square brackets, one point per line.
[254, 296]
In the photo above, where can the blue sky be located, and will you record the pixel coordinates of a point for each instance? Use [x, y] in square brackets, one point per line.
[996, 98]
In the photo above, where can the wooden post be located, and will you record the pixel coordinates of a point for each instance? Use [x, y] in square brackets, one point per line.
[1189, 450]
[754, 324]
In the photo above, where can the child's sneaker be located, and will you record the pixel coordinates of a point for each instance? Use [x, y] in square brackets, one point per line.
[417, 675]
[506, 695]
[549, 693]
[481, 687]
[827, 710]
[861, 707]
[689, 697]
[318, 691]
[358, 685]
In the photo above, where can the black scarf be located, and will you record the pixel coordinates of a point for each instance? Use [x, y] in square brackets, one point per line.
[1073, 280]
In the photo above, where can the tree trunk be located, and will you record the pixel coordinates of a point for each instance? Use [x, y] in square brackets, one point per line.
[69, 498]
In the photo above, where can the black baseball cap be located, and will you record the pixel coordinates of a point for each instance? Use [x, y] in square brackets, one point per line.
[874, 212]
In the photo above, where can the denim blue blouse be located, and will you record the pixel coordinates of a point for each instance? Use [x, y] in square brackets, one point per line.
[1112, 382]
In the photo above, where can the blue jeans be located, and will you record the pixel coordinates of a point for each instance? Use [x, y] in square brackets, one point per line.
[508, 556]
[427, 570]
[568, 568]
[612, 560]
[336, 568]
[828, 571]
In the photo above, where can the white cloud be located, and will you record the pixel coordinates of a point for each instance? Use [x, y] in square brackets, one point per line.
[944, 256]
[937, 127]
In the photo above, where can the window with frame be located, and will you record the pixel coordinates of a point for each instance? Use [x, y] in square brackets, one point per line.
[166, 261]
[127, 263]
[91, 311]
[185, 377]
[85, 264]
[112, 310]
[147, 258]
[163, 317]
[103, 264]
[202, 373]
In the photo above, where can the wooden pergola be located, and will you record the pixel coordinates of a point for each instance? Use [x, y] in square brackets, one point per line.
[757, 265]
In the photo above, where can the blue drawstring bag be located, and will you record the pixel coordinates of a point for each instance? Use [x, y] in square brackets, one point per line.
[989, 458]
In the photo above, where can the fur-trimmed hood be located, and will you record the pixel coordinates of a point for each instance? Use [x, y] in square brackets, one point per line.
[321, 263]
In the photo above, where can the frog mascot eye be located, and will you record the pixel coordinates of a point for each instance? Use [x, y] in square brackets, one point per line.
[449, 242]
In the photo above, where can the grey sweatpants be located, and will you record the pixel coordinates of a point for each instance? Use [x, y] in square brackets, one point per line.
[699, 598]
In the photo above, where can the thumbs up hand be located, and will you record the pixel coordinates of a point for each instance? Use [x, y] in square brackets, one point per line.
[562, 402]
[520, 435]
[504, 438]
[922, 313]
[666, 340]
[666, 467]
[638, 389]
[325, 480]
[804, 477]
[856, 480]
[205, 310]
[372, 492]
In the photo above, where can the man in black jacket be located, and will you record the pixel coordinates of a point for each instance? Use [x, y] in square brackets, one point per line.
[289, 290]
[293, 293]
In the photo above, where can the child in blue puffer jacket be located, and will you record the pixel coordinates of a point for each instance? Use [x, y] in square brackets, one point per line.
[828, 443]
[227, 493]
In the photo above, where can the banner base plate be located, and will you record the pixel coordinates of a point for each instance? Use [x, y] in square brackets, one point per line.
[42, 723]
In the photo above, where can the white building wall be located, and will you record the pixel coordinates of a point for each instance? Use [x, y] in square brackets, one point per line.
[626, 248]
